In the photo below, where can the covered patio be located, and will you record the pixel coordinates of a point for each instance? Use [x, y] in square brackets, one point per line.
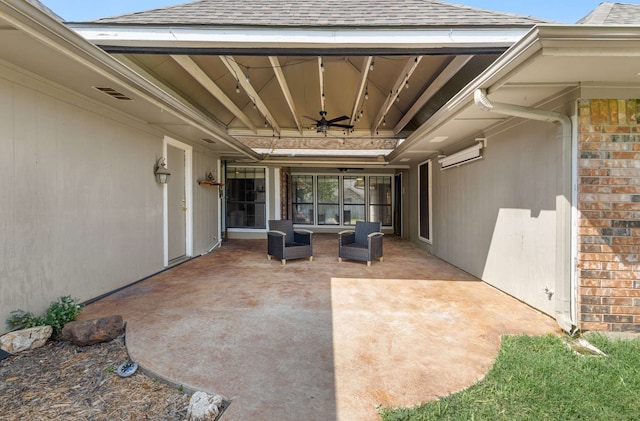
[317, 340]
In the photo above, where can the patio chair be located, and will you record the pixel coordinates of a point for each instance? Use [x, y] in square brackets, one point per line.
[286, 243]
[365, 243]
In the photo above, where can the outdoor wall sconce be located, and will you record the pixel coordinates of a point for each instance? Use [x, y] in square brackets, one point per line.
[161, 172]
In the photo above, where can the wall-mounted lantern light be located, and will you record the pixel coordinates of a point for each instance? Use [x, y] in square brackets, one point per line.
[161, 172]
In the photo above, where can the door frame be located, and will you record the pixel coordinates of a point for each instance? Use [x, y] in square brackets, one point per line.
[188, 192]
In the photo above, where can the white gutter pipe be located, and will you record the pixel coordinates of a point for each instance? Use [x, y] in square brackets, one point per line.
[565, 308]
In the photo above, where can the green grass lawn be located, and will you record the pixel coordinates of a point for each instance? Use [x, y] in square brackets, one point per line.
[540, 378]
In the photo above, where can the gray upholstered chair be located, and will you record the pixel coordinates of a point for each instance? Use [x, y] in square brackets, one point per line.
[286, 243]
[365, 243]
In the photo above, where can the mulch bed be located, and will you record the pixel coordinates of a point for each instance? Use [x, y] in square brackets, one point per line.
[64, 381]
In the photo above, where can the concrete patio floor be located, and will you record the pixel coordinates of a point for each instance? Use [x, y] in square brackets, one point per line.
[317, 340]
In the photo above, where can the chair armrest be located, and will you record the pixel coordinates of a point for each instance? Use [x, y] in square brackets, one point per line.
[303, 231]
[276, 232]
[375, 234]
[346, 232]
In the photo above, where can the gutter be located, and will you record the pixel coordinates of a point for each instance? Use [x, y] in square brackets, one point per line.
[564, 288]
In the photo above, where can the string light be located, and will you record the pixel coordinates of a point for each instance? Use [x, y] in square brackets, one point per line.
[371, 66]
[366, 92]
[406, 84]
[246, 77]
[321, 65]
[237, 87]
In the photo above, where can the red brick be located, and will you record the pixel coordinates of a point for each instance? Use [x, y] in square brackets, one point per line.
[617, 284]
[623, 293]
[601, 292]
[593, 326]
[588, 231]
[595, 300]
[625, 310]
[625, 155]
[596, 223]
[616, 129]
[590, 283]
[594, 172]
[613, 112]
[615, 181]
[591, 265]
[618, 301]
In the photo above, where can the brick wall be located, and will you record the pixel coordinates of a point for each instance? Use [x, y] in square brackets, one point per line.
[609, 215]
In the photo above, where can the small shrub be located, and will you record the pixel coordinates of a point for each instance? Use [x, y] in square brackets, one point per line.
[60, 312]
[20, 319]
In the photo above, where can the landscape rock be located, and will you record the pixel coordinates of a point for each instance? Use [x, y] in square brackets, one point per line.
[90, 332]
[22, 340]
[204, 407]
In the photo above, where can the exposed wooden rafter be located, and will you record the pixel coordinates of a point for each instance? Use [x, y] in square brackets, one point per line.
[277, 69]
[364, 74]
[198, 74]
[321, 78]
[402, 79]
[451, 70]
[236, 70]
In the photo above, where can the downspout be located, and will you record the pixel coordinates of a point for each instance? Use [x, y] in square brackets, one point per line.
[565, 308]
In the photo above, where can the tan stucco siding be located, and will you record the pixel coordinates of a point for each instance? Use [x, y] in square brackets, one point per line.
[496, 218]
[80, 211]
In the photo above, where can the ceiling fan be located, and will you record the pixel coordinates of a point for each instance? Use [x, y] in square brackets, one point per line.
[323, 124]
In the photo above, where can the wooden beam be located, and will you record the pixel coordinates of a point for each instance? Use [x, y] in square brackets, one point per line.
[284, 86]
[407, 71]
[198, 74]
[451, 70]
[364, 74]
[235, 69]
[321, 78]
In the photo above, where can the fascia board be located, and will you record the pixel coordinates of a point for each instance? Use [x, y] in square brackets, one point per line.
[248, 37]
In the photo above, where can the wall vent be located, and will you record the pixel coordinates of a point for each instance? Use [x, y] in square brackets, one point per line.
[207, 140]
[113, 93]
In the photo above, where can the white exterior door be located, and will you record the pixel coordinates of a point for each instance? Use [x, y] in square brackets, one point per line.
[178, 225]
[177, 206]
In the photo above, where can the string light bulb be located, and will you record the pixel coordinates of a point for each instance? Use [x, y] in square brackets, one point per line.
[366, 92]
[371, 66]
[322, 65]
[237, 87]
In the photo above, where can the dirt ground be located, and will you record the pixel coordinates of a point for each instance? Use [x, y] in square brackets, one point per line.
[64, 381]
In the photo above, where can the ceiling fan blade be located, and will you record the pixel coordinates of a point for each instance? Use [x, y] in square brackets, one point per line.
[311, 118]
[335, 120]
[344, 126]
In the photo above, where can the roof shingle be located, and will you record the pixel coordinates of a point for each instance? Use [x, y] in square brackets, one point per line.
[328, 13]
[609, 13]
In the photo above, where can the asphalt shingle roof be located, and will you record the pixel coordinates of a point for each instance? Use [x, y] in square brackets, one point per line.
[609, 13]
[328, 13]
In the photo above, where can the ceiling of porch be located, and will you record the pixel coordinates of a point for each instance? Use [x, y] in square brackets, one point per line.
[264, 70]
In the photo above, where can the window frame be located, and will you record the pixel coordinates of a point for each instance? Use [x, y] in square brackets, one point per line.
[266, 198]
[429, 164]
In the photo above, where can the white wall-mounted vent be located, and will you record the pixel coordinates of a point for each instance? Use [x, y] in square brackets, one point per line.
[463, 157]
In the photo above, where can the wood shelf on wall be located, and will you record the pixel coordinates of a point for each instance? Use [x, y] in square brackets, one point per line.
[210, 183]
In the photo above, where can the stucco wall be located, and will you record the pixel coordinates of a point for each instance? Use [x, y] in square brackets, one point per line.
[80, 211]
[495, 218]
